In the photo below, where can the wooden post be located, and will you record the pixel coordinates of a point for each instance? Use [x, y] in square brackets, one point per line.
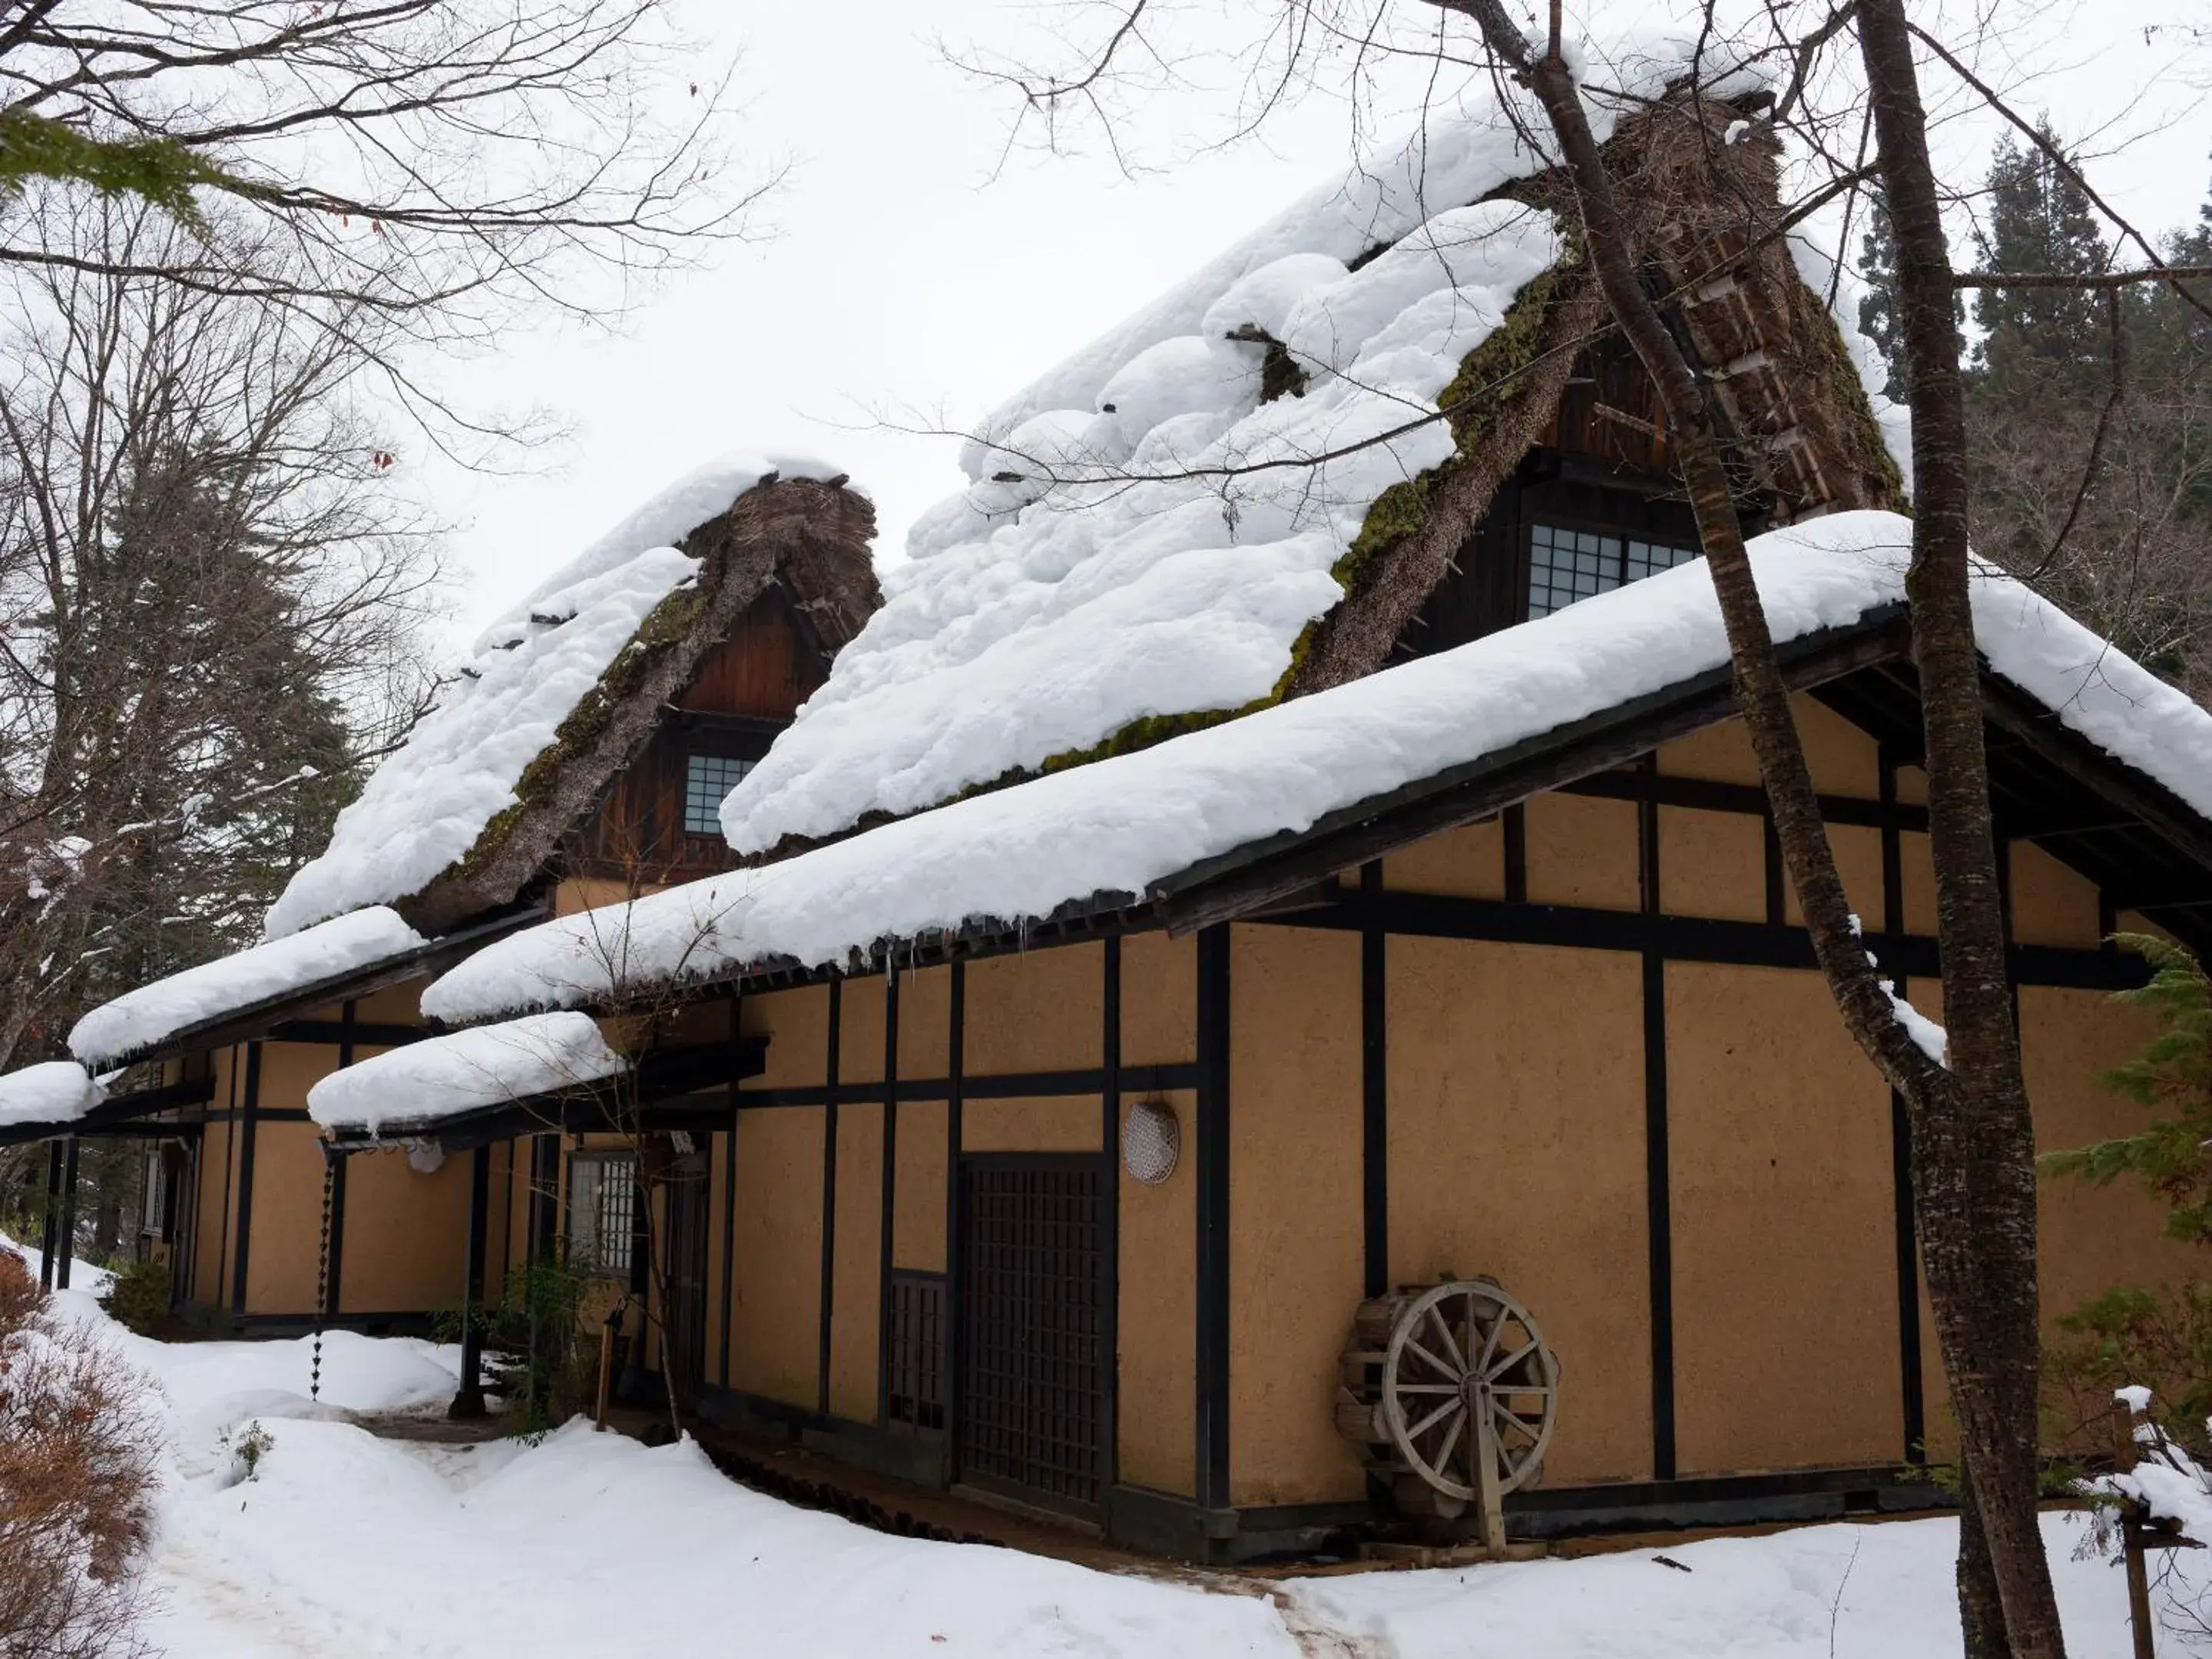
[469, 1399]
[50, 1216]
[68, 1249]
[1490, 1503]
[2132, 1540]
[607, 1370]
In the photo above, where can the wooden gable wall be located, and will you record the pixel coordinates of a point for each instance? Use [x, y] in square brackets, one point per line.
[747, 689]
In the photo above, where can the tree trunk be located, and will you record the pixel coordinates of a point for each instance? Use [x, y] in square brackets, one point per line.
[1974, 1195]
[1974, 1192]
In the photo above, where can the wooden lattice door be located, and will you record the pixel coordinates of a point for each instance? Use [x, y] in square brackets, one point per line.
[688, 1193]
[1032, 1375]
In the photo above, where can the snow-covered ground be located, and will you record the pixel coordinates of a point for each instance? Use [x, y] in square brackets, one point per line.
[346, 1544]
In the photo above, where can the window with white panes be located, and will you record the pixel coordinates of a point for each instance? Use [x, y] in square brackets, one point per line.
[602, 1213]
[1565, 565]
[707, 779]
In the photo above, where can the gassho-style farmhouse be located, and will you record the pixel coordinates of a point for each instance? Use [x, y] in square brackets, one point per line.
[1233, 998]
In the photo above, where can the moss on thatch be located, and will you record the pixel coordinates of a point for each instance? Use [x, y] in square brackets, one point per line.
[810, 537]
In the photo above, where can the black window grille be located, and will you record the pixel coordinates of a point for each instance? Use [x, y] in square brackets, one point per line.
[917, 1353]
[707, 779]
[1566, 565]
[602, 1213]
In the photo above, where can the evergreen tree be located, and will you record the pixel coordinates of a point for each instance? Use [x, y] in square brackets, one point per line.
[1878, 305]
[2038, 220]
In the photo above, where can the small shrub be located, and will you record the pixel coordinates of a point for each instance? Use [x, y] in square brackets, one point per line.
[248, 1445]
[137, 1297]
[80, 1450]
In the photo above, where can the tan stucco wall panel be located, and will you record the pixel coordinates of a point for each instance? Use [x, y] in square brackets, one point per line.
[1783, 1228]
[1719, 754]
[1157, 1435]
[1055, 1123]
[925, 1010]
[1516, 1150]
[2052, 904]
[1844, 759]
[776, 1321]
[407, 1234]
[1712, 864]
[1160, 999]
[860, 1031]
[856, 1301]
[918, 1231]
[1468, 862]
[1036, 1011]
[1858, 860]
[796, 1024]
[1582, 850]
[1294, 1206]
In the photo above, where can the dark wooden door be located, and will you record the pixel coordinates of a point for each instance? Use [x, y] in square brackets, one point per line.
[687, 1270]
[1032, 1378]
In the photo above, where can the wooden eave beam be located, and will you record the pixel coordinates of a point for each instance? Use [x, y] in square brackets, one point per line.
[112, 1114]
[1221, 889]
[257, 1019]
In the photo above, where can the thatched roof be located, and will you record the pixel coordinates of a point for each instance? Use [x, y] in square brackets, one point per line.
[562, 694]
[1150, 545]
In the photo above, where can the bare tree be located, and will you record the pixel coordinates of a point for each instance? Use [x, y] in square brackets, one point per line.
[419, 155]
[207, 580]
[1974, 1191]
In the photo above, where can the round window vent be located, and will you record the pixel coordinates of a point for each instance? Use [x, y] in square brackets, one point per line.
[1151, 1142]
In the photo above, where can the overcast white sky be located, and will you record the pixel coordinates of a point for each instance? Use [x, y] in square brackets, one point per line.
[902, 275]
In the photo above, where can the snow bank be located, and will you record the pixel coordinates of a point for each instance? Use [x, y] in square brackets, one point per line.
[463, 1071]
[425, 805]
[590, 1544]
[53, 1092]
[1054, 602]
[1118, 826]
[139, 1019]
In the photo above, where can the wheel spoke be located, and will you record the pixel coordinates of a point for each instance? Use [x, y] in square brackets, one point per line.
[1494, 1372]
[1533, 1434]
[1429, 1388]
[1489, 1339]
[1435, 1363]
[1451, 1347]
[1434, 1417]
[1443, 1463]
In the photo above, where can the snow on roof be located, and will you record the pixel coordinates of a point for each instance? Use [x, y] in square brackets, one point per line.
[464, 1072]
[53, 1091]
[139, 1019]
[1119, 825]
[1047, 607]
[426, 803]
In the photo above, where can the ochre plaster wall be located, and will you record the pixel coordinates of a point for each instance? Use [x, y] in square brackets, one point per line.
[1156, 1429]
[918, 1230]
[1783, 1228]
[2051, 904]
[1160, 999]
[796, 1024]
[860, 1031]
[1036, 1011]
[1582, 850]
[1713, 864]
[1516, 1151]
[1468, 862]
[1294, 1205]
[407, 1234]
[775, 1322]
[857, 1290]
[924, 1011]
[1054, 1123]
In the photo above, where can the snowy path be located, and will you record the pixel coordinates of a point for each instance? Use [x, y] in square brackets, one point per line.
[349, 1546]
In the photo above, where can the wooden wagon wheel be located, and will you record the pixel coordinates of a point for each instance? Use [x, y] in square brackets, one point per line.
[1435, 1379]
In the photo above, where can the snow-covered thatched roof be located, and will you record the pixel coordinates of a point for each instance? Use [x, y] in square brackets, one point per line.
[560, 693]
[1148, 543]
[1122, 832]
